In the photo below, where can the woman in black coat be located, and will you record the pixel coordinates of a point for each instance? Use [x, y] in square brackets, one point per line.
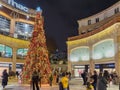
[35, 80]
[4, 78]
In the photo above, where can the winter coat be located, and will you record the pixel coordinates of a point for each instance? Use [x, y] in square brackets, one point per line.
[102, 83]
[4, 78]
[35, 77]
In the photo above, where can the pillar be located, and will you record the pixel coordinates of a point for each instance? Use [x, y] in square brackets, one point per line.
[92, 64]
[117, 55]
[14, 59]
[69, 62]
[12, 27]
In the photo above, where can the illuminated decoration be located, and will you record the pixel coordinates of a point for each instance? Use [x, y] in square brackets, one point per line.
[104, 49]
[79, 54]
[37, 56]
[38, 9]
[17, 5]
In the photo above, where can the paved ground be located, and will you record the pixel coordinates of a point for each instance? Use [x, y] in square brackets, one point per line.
[75, 84]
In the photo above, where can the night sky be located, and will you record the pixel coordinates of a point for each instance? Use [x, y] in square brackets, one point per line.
[61, 17]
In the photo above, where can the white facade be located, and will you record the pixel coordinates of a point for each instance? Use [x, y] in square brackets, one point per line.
[83, 23]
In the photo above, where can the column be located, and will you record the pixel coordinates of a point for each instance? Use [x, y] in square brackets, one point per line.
[14, 59]
[12, 27]
[116, 41]
[92, 64]
[69, 62]
[117, 55]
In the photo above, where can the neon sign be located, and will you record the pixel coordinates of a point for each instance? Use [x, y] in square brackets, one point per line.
[17, 5]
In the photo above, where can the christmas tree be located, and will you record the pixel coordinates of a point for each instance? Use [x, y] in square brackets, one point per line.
[37, 56]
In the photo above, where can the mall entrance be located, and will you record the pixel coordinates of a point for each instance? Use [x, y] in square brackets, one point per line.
[78, 69]
[8, 66]
[110, 67]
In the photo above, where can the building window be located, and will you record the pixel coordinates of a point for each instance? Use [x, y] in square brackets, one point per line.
[89, 22]
[4, 24]
[116, 10]
[5, 51]
[23, 30]
[21, 53]
[97, 20]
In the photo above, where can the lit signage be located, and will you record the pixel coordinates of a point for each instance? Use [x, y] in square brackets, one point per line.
[17, 5]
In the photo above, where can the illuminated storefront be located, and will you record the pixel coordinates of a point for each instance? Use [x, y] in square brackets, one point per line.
[97, 45]
[16, 27]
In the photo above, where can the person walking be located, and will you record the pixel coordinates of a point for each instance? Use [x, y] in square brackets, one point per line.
[35, 79]
[94, 77]
[4, 78]
[84, 77]
[102, 82]
[64, 81]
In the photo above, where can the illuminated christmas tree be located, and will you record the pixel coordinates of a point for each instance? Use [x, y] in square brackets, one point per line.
[37, 56]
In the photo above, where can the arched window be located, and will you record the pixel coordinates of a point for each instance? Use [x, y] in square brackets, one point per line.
[79, 54]
[104, 49]
[5, 51]
[21, 53]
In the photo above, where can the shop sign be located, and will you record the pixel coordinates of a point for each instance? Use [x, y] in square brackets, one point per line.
[4, 65]
[17, 5]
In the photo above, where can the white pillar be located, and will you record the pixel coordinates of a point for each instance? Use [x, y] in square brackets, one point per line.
[14, 59]
[92, 64]
[69, 62]
[12, 27]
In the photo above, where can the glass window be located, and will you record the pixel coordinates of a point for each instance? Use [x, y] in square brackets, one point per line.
[23, 29]
[4, 24]
[5, 51]
[2, 47]
[97, 20]
[8, 52]
[79, 54]
[116, 10]
[104, 49]
[89, 22]
[21, 53]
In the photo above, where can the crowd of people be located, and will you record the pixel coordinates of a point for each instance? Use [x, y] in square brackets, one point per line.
[99, 81]
[92, 80]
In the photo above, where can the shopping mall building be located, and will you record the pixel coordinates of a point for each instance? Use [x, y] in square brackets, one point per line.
[97, 45]
[16, 25]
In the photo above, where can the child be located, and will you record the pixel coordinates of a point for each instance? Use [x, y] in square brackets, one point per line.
[89, 86]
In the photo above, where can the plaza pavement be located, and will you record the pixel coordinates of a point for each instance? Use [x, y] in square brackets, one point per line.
[75, 84]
